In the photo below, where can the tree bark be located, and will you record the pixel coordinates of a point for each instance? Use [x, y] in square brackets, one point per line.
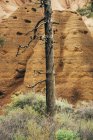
[49, 52]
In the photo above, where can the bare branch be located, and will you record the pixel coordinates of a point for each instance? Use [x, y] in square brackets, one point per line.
[38, 25]
[36, 84]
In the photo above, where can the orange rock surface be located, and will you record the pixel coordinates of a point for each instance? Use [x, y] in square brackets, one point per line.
[73, 46]
[9, 6]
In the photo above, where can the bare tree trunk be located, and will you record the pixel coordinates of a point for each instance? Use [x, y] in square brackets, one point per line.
[49, 51]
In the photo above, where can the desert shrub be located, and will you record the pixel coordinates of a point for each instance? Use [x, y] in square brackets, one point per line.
[64, 106]
[85, 113]
[37, 102]
[25, 124]
[86, 11]
[86, 129]
[16, 122]
[65, 120]
[36, 132]
[66, 135]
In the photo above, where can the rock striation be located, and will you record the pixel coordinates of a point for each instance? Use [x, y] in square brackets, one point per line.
[73, 47]
[7, 7]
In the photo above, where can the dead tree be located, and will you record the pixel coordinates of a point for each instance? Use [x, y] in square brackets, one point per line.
[49, 52]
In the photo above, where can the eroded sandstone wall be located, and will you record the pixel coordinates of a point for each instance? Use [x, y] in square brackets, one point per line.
[73, 47]
[7, 7]
[12, 32]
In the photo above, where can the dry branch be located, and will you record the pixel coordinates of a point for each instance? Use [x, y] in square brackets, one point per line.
[36, 84]
[37, 26]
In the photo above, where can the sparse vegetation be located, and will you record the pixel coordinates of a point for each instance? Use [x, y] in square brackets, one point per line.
[25, 119]
[66, 135]
[86, 11]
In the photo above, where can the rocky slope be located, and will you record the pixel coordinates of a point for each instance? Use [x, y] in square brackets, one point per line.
[73, 46]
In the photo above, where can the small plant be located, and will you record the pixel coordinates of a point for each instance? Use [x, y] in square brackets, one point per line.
[66, 135]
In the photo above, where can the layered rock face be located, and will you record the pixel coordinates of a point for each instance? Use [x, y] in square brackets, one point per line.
[73, 47]
[9, 6]
[68, 4]
[12, 32]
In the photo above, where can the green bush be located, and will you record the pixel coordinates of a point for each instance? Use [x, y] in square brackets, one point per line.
[36, 101]
[66, 135]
